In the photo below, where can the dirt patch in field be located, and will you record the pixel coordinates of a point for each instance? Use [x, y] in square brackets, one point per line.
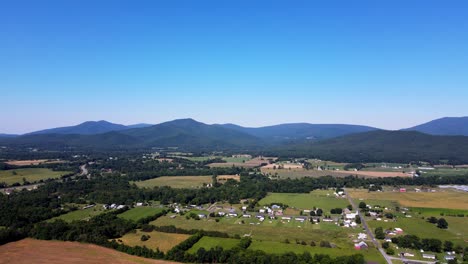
[224, 178]
[57, 252]
[32, 162]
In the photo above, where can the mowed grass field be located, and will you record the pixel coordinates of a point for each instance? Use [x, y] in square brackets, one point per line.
[176, 182]
[30, 174]
[80, 214]
[442, 198]
[41, 251]
[163, 241]
[324, 199]
[212, 242]
[138, 213]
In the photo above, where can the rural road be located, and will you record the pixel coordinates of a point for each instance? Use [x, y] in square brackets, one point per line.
[377, 245]
[369, 232]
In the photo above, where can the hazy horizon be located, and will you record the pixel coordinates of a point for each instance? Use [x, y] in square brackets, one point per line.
[389, 65]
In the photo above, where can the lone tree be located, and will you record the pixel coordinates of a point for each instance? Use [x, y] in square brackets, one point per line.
[442, 223]
[379, 233]
[362, 205]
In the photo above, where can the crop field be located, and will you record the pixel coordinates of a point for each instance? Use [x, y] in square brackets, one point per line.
[163, 241]
[442, 198]
[274, 230]
[32, 162]
[55, 252]
[324, 199]
[176, 182]
[30, 174]
[81, 214]
[212, 242]
[138, 213]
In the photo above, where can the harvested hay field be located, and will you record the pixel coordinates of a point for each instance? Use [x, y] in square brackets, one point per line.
[163, 241]
[442, 198]
[32, 162]
[57, 252]
[176, 182]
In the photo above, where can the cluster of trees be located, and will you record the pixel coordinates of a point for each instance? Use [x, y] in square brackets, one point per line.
[441, 222]
[336, 211]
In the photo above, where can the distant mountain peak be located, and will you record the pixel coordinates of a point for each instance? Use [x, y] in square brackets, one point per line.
[444, 126]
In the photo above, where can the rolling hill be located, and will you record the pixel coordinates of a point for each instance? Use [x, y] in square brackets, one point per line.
[301, 131]
[444, 126]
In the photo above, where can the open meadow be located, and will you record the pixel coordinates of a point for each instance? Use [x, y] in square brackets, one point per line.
[28, 251]
[80, 214]
[324, 199]
[163, 241]
[29, 174]
[138, 213]
[207, 243]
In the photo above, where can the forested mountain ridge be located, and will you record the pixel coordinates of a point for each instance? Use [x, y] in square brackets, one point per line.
[444, 126]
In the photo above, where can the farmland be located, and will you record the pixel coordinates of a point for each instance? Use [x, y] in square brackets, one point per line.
[212, 242]
[39, 251]
[318, 198]
[163, 241]
[32, 162]
[29, 174]
[138, 213]
[442, 198]
[176, 182]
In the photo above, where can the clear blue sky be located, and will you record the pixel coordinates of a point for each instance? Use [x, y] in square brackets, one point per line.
[389, 64]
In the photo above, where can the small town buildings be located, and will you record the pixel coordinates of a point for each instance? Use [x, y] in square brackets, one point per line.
[428, 256]
[361, 245]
